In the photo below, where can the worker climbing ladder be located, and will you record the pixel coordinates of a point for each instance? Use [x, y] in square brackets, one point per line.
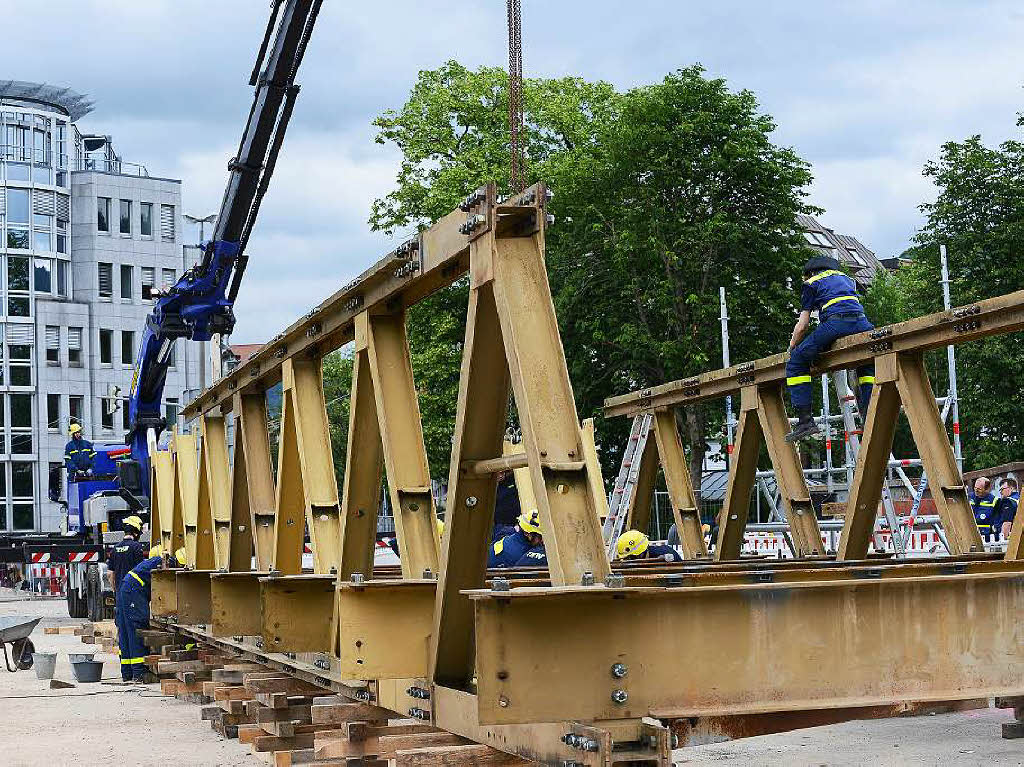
[624, 492]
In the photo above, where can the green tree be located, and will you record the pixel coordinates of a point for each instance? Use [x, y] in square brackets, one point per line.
[663, 194]
[978, 215]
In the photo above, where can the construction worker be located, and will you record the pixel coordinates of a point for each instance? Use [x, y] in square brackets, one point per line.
[128, 553]
[833, 295]
[78, 453]
[132, 614]
[983, 503]
[633, 544]
[507, 551]
[1006, 508]
[535, 557]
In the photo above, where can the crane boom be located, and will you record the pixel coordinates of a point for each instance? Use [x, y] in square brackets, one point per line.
[200, 303]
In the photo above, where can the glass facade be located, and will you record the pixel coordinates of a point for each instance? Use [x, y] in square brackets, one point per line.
[36, 157]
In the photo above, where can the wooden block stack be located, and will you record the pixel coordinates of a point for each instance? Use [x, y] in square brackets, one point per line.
[102, 633]
[65, 630]
[1014, 729]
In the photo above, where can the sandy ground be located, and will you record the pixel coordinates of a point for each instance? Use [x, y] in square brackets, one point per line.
[107, 724]
[97, 723]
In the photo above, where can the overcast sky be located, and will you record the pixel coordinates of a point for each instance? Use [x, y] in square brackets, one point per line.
[865, 91]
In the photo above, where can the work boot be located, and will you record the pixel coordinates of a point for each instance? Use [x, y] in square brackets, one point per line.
[805, 428]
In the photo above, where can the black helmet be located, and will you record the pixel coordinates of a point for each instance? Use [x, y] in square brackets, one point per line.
[820, 264]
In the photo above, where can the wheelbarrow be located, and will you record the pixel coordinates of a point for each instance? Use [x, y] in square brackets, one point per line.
[15, 629]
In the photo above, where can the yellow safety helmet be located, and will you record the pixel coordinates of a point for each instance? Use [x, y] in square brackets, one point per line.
[132, 521]
[705, 528]
[632, 543]
[529, 522]
[74, 429]
[440, 527]
[180, 556]
[156, 551]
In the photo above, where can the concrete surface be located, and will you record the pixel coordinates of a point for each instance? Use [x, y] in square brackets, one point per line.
[112, 725]
[97, 723]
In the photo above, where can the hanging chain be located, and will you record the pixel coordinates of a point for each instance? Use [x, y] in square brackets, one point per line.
[517, 179]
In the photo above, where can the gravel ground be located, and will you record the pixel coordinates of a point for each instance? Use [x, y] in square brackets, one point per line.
[109, 724]
[97, 723]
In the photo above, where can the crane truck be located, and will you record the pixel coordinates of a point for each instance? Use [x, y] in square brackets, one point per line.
[198, 307]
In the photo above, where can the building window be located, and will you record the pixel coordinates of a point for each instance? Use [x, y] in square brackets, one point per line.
[103, 214]
[169, 278]
[76, 404]
[106, 279]
[171, 411]
[126, 281]
[17, 238]
[62, 278]
[18, 206]
[52, 345]
[146, 219]
[75, 347]
[41, 241]
[127, 347]
[148, 282]
[42, 273]
[172, 355]
[53, 412]
[126, 217]
[20, 340]
[126, 421]
[17, 282]
[23, 492]
[106, 347]
[107, 414]
[167, 223]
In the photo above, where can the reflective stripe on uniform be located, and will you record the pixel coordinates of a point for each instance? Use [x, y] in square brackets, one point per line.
[987, 503]
[136, 577]
[132, 661]
[822, 275]
[827, 304]
[866, 379]
[794, 380]
[499, 546]
[70, 452]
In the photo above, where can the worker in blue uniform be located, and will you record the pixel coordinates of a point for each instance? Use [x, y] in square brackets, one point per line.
[507, 551]
[535, 557]
[633, 545]
[983, 503]
[1006, 507]
[132, 614]
[833, 295]
[128, 553]
[78, 453]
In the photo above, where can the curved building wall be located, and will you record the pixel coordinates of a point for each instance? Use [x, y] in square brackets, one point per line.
[84, 238]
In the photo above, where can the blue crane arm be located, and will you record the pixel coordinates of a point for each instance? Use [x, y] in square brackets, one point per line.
[199, 305]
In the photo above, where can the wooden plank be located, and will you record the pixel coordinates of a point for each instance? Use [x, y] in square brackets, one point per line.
[285, 684]
[348, 712]
[388, 746]
[248, 733]
[443, 756]
[290, 713]
[274, 743]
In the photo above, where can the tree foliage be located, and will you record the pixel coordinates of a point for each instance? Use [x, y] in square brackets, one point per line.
[978, 215]
[663, 194]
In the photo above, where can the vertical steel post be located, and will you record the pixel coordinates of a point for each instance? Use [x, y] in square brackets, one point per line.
[827, 433]
[730, 424]
[951, 363]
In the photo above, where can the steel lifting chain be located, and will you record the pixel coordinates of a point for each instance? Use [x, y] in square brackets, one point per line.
[517, 180]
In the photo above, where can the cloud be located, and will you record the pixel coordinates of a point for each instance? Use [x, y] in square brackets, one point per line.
[866, 92]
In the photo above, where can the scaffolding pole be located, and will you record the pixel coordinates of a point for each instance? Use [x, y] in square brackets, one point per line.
[951, 363]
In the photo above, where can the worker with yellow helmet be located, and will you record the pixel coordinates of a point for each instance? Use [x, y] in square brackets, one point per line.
[510, 549]
[633, 545]
[132, 612]
[78, 453]
[123, 556]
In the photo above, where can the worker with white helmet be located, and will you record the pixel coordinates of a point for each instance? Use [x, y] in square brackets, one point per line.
[78, 453]
[633, 544]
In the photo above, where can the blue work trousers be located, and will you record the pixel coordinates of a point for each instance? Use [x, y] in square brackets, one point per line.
[130, 615]
[798, 366]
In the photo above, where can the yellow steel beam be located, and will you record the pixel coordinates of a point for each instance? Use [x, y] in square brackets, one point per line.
[614, 653]
[992, 316]
[254, 492]
[186, 499]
